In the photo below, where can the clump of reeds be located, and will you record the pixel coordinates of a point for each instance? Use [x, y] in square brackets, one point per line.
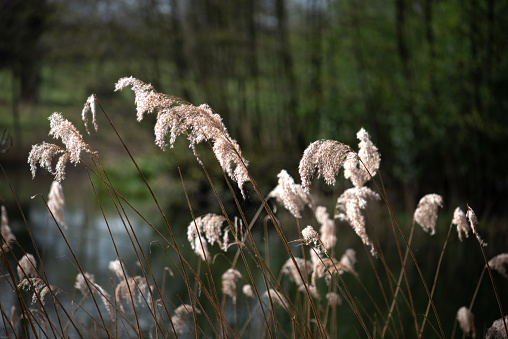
[301, 298]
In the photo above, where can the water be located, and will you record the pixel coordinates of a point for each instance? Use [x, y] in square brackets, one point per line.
[90, 238]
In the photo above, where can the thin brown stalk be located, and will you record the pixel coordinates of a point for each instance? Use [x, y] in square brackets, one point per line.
[435, 280]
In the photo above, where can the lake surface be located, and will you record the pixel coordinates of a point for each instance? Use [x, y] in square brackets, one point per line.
[90, 237]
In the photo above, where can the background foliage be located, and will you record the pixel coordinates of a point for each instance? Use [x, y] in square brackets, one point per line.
[428, 79]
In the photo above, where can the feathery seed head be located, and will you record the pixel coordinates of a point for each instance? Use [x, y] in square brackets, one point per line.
[291, 195]
[473, 222]
[199, 123]
[292, 271]
[129, 288]
[460, 220]
[498, 330]
[89, 107]
[181, 317]
[311, 238]
[208, 228]
[27, 267]
[325, 268]
[465, 319]
[229, 279]
[349, 206]
[80, 283]
[248, 291]
[426, 212]
[327, 229]
[71, 138]
[44, 153]
[147, 100]
[324, 157]
[498, 264]
[333, 299]
[277, 298]
[56, 202]
[348, 259]
[359, 172]
[115, 266]
[39, 286]
[6, 233]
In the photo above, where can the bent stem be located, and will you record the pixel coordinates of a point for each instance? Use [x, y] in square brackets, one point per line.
[435, 280]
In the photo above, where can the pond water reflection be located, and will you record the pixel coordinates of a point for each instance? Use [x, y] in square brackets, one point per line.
[90, 234]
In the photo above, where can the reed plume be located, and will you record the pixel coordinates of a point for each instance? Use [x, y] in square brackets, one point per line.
[292, 271]
[7, 236]
[498, 263]
[327, 229]
[460, 220]
[248, 291]
[27, 267]
[291, 195]
[473, 222]
[334, 299]
[81, 285]
[311, 238]
[89, 107]
[229, 279]
[426, 212]
[130, 287]
[56, 202]
[39, 286]
[199, 123]
[325, 157]
[325, 268]
[359, 168]
[349, 206]
[181, 316]
[44, 153]
[497, 330]
[207, 229]
[465, 319]
[115, 266]
[277, 298]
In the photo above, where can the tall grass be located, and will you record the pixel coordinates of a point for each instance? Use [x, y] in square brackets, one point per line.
[317, 292]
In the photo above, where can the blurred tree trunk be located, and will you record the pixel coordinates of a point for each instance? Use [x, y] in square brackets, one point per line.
[178, 49]
[289, 127]
[407, 148]
[314, 88]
